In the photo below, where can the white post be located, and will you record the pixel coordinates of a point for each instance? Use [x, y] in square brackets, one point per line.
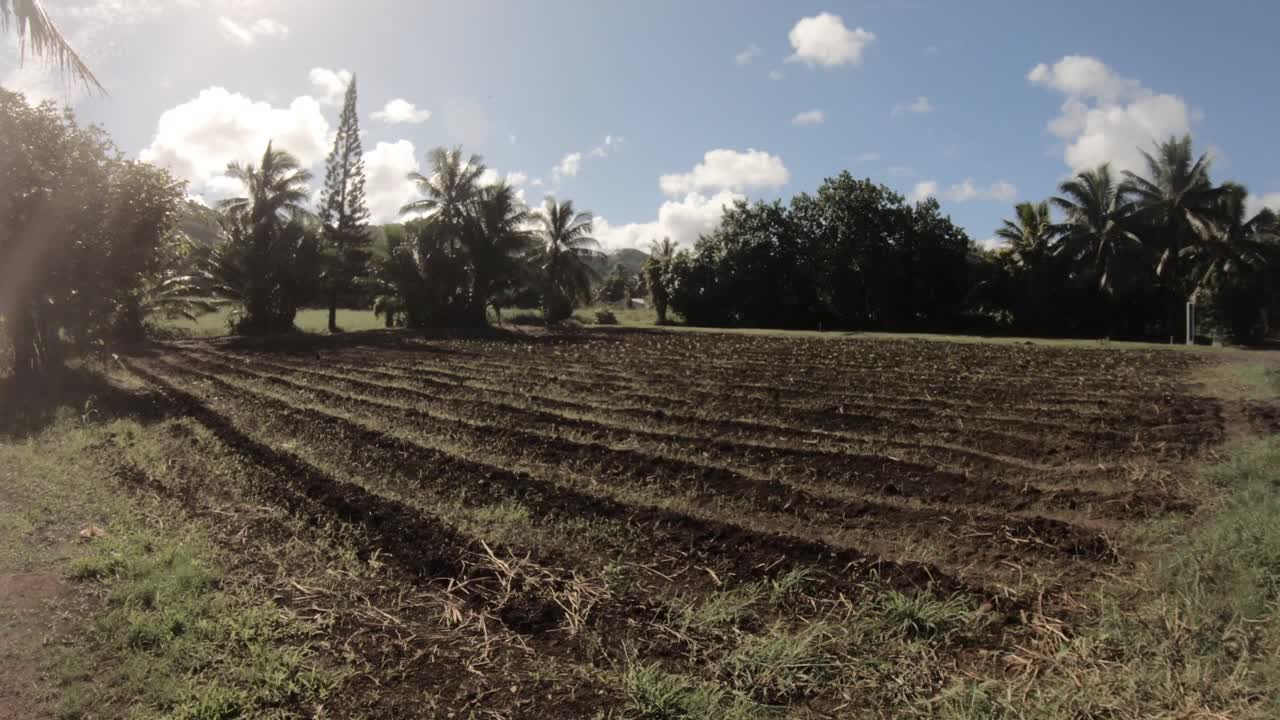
[1191, 323]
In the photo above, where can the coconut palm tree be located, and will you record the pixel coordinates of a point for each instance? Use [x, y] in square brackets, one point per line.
[565, 246]
[268, 259]
[1176, 202]
[276, 189]
[496, 239]
[1031, 234]
[1232, 243]
[450, 190]
[34, 27]
[1094, 230]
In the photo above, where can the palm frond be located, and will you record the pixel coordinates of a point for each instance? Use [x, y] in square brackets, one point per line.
[35, 28]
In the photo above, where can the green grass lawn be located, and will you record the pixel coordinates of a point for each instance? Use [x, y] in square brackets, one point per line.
[316, 320]
[312, 320]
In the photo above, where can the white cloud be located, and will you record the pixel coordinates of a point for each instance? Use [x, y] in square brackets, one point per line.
[992, 243]
[965, 191]
[386, 187]
[569, 165]
[809, 117]
[1254, 204]
[516, 178]
[247, 35]
[198, 138]
[919, 106]
[1106, 117]
[511, 139]
[681, 220]
[923, 189]
[775, 75]
[746, 56]
[824, 40]
[331, 84]
[728, 170]
[400, 111]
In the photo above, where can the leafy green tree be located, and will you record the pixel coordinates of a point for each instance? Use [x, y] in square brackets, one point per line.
[269, 261]
[343, 212]
[615, 286]
[564, 247]
[656, 273]
[83, 234]
[34, 28]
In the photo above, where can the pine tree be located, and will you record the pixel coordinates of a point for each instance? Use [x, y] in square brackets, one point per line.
[343, 211]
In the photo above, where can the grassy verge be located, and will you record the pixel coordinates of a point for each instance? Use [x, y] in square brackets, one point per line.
[1201, 639]
[143, 620]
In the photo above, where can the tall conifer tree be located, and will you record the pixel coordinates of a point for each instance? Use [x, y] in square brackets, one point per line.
[343, 210]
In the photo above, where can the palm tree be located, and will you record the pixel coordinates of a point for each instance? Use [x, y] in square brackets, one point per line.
[1177, 202]
[495, 240]
[1094, 230]
[276, 190]
[655, 270]
[1031, 234]
[1232, 244]
[451, 189]
[265, 262]
[565, 247]
[31, 22]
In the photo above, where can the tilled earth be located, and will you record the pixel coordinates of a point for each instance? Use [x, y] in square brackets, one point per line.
[631, 511]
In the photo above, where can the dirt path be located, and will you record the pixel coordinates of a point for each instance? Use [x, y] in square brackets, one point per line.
[30, 609]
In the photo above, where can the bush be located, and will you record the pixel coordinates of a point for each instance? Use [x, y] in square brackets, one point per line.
[606, 317]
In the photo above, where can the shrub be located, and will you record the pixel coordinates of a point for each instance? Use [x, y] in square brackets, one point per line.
[606, 317]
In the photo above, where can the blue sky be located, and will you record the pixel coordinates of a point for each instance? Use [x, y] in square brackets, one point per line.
[655, 114]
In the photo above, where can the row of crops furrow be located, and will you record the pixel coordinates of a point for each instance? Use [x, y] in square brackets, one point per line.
[420, 646]
[743, 552]
[630, 470]
[828, 470]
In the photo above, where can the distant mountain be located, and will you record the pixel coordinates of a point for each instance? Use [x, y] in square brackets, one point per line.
[630, 259]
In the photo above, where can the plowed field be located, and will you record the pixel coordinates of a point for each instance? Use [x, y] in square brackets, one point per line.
[664, 524]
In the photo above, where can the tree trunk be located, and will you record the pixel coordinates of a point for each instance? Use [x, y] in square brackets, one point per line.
[26, 361]
[333, 309]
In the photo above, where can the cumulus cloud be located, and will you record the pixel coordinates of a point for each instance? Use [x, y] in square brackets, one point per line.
[775, 75]
[331, 85]
[681, 220]
[919, 106]
[809, 117]
[824, 40]
[1106, 117]
[746, 56]
[197, 139]
[400, 111]
[965, 191]
[387, 188]
[569, 165]
[728, 170]
[1254, 204]
[247, 35]
[611, 143]
[922, 190]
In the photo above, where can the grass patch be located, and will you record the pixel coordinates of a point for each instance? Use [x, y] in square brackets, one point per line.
[311, 320]
[175, 644]
[781, 664]
[655, 694]
[1202, 641]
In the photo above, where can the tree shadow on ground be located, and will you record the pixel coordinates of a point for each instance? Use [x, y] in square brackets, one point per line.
[80, 392]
